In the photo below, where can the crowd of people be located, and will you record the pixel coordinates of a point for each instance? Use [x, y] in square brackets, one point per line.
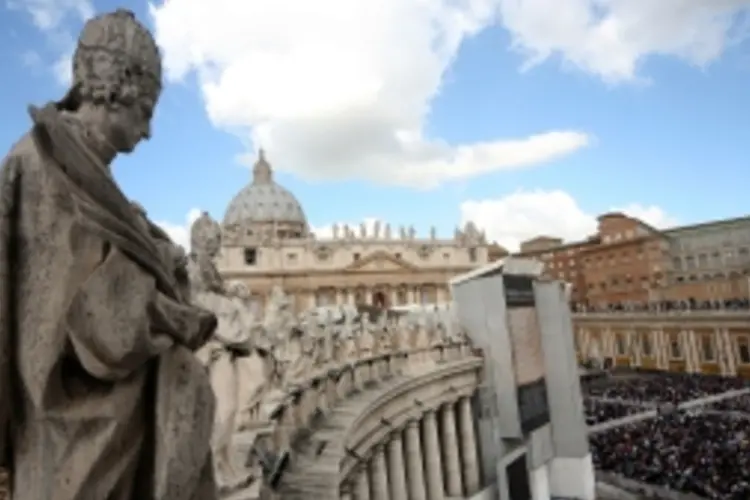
[598, 412]
[704, 454]
[740, 404]
[674, 388]
[704, 451]
[736, 304]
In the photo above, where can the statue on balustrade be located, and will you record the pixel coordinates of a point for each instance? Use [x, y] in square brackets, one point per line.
[231, 340]
[101, 395]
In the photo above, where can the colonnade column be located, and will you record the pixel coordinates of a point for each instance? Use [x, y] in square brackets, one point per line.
[378, 475]
[468, 445]
[453, 483]
[362, 485]
[415, 472]
[396, 470]
[433, 465]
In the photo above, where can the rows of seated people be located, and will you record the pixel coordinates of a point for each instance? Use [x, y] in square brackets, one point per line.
[598, 412]
[674, 388]
[739, 404]
[704, 454]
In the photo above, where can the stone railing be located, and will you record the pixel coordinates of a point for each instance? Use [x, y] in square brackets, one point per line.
[694, 313]
[292, 414]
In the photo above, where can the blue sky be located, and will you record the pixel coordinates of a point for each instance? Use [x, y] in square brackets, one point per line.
[527, 116]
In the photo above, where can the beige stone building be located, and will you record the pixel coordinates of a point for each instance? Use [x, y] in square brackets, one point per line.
[708, 342]
[267, 242]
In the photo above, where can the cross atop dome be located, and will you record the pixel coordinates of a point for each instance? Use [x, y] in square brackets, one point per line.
[262, 171]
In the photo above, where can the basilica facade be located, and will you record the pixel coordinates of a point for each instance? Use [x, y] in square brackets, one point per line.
[267, 242]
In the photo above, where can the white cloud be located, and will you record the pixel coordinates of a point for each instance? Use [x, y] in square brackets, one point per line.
[610, 38]
[180, 233]
[340, 88]
[50, 18]
[48, 15]
[63, 68]
[526, 214]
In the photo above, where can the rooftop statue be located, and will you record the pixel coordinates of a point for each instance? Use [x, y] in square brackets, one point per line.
[98, 380]
[231, 340]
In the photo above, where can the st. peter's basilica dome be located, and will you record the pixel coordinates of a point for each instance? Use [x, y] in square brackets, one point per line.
[263, 203]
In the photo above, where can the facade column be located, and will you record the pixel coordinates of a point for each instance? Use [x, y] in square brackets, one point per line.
[468, 446]
[362, 485]
[378, 475]
[453, 483]
[396, 470]
[415, 472]
[432, 462]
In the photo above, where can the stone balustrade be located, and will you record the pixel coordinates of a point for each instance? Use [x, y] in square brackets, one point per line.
[288, 417]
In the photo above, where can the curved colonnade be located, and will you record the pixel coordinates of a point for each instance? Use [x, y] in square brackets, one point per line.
[359, 431]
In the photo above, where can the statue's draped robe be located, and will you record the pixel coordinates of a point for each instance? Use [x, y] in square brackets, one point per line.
[101, 397]
[233, 330]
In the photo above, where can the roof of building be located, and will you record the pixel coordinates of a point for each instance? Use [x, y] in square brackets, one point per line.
[714, 224]
[263, 200]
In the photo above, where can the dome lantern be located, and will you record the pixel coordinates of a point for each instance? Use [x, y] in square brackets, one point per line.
[262, 171]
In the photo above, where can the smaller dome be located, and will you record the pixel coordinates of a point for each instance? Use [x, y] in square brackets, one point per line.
[264, 201]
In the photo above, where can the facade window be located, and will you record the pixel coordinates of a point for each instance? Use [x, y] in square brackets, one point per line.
[621, 350]
[675, 349]
[251, 256]
[356, 256]
[743, 351]
[707, 346]
[472, 254]
[291, 257]
[646, 345]
[398, 255]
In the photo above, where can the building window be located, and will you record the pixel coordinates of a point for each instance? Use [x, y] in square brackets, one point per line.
[646, 345]
[398, 255]
[291, 257]
[621, 345]
[356, 256]
[401, 297]
[251, 256]
[707, 346]
[675, 349]
[743, 350]
[472, 254]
